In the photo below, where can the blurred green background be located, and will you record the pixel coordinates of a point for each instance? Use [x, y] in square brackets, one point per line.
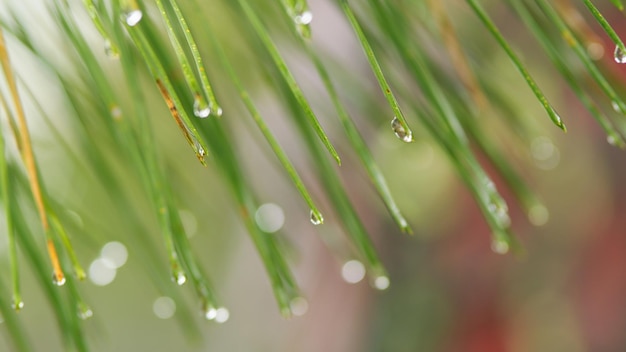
[449, 291]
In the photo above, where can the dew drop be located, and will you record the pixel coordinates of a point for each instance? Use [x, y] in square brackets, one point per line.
[201, 109]
[57, 281]
[18, 305]
[210, 313]
[619, 55]
[381, 282]
[299, 306]
[179, 277]
[133, 17]
[304, 18]
[616, 107]
[401, 133]
[85, 313]
[218, 111]
[353, 271]
[499, 247]
[110, 50]
[316, 218]
[612, 140]
[221, 315]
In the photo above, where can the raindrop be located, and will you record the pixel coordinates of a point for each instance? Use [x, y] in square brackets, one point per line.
[401, 133]
[619, 55]
[133, 17]
[270, 217]
[210, 313]
[304, 18]
[316, 218]
[179, 277]
[299, 306]
[353, 271]
[57, 281]
[164, 307]
[115, 253]
[500, 247]
[18, 305]
[612, 140]
[545, 153]
[110, 50]
[218, 111]
[85, 313]
[616, 107]
[381, 282]
[200, 108]
[221, 315]
[538, 215]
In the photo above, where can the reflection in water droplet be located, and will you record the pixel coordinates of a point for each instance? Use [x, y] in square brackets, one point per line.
[381, 282]
[400, 131]
[164, 307]
[18, 305]
[57, 281]
[201, 108]
[304, 18]
[538, 215]
[221, 315]
[353, 271]
[500, 247]
[619, 55]
[133, 17]
[316, 219]
[179, 277]
[299, 306]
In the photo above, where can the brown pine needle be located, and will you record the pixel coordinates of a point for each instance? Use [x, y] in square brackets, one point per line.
[28, 156]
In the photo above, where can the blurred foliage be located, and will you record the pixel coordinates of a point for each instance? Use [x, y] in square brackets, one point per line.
[89, 152]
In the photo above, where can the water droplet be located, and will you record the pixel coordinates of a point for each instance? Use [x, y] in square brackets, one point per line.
[304, 18]
[85, 313]
[595, 50]
[545, 153]
[353, 271]
[270, 217]
[164, 307]
[401, 133]
[617, 107]
[115, 253]
[218, 111]
[210, 313]
[619, 55]
[116, 112]
[500, 247]
[110, 50]
[201, 108]
[538, 215]
[179, 277]
[381, 282]
[221, 315]
[18, 305]
[133, 17]
[612, 140]
[299, 306]
[102, 272]
[57, 281]
[316, 218]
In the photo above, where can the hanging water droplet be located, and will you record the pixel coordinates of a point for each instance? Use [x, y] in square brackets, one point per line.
[133, 17]
[221, 315]
[400, 131]
[210, 313]
[58, 281]
[299, 306]
[538, 215]
[303, 18]
[218, 111]
[201, 108]
[500, 247]
[619, 55]
[617, 107]
[316, 218]
[353, 271]
[18, 305]
[85, 313]
[381, 282]
[179, 277]
[612, 140]
[110, 50]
